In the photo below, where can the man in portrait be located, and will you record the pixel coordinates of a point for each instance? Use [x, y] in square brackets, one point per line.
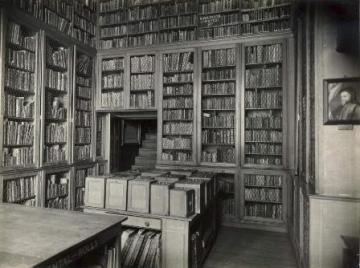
[350, 108]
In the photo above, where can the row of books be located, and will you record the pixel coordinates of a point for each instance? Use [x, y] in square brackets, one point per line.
[83, 105]
[178, 62]
[56, 80]
[113, 64]
[274, 122]
[262, 180]
[83, 82]
[82, 119]
[79, 197]
[178, 102]
[54, 108]
[263, 160]
[219, 88]
[267, 14]
[176, 143]
[226, 184]
[18, 156]
[142, 82]
[83, 37]
[21, 59]
[113, 31]
[264, 149]
[55, 153]
[272, 211]
[56, 186]
[58, 203]
[142, 100]
[143, 40]
[264, 77]
[255, 4]
[80, 176]
[178, 78]
[118, 17]
[211, 6]
[82, 152]
[113, 80]
[19, 189]
[263, 27]
[140, 248]
[112, 99]
[223, 120]
[178, 8]
[34, 7]
[181, 114]
[263, 54]
[143, 27]
[139, 13]
[84, 65]
[215, 20]
[82, 135]
[263, 99]
[56, 56]
[219, 32]
[219, 57]
[83, 92]
[177, 128]
[53, 19]
[17, 37]
[177, 35]
[218, 74]
[219, 155]
[55, 133]
[263, 194]
[218, 103]
[84, 25]
[18, 133]
[142, 64]
[86, 9]
[263, 135]
[228, 207]
[218, 136]
[19, 80]
[18, 107]
[176, 156]
[111, 5]
[63, 7]
[174, 22]
[178, 90]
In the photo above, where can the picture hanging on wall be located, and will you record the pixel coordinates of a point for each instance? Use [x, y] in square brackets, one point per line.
[342, 101]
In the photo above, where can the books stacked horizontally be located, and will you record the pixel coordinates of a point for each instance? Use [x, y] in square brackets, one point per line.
[140, 248]
[218, 106]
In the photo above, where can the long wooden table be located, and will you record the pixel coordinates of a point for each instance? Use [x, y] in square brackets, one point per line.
[39, 237]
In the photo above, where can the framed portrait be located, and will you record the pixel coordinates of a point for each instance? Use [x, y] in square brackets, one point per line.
[342, 101]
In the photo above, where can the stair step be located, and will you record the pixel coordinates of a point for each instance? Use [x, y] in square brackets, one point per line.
[147, 152]
[139, 160]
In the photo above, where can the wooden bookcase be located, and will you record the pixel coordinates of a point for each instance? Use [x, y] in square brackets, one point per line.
[177, 106]
[80, 173]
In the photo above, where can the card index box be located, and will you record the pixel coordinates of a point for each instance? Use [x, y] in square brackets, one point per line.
[182, 202]
[116, 191]
[160, 197]
[199, 188]
[139, 194]
[170, 178]
[154, 173]
[95, 191]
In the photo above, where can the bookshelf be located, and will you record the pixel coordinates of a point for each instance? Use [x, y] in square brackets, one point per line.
[57, 102]
[219, 19]
[85, 21]
[20, 189]
[226, 187]
[58, 14]
[177, 108]
[178, 21]
[264, 197]
[218, 106]
[263, 105]
[142, 81]
[83, 107]
[57, 189]
[20, 84]
[80, 175]
[112, 82]
[265, 16]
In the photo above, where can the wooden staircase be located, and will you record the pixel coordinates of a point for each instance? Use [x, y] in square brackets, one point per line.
[147, 153]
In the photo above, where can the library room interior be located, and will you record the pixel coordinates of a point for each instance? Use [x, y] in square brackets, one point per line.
[180, 133]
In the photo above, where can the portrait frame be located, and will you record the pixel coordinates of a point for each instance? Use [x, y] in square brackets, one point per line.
[335, 112]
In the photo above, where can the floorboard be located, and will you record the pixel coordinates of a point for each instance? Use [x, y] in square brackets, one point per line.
[244, 248]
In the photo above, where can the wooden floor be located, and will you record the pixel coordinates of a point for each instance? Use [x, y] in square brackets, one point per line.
[244, 248]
